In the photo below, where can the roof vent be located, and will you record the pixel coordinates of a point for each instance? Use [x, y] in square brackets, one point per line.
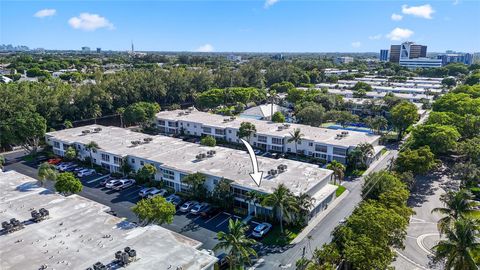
[282, 168]
[187, 112]
[147, 140]
[211, 153]
[272, 172]
[97, 130]
[86, 131]
[201, 156]
[286, 125]
[181, 113]
[135, 143]
[280, 128]
[232, 118]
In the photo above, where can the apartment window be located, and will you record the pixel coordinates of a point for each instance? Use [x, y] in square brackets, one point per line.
[277, 148]
[172, 124]
[168, 174]
[277, 141]
[321, 148]
[188, 124]
[340, 159]
[229, 131]
[117, 160]
[132, 160]
[161, 122]
[310, 144]
[142, 163]
[339, 151]
[220, 131]
[56, 145]
[65, 146]
[206, 130]
[262, 138]
[106, 157]
[239, 193]
[321, 156]
[169, 183]
[215, 181]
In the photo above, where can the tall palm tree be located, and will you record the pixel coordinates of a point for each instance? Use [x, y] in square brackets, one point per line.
[304, 203]
[338, 171]
[236, 243]
[282, 201]
[296, 137]
[253, 197]
[120, 111]
[92, 147]
[461, 250]
[46, 171]
[367, 152]
[458, 204]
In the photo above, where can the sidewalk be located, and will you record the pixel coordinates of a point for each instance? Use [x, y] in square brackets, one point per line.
[312, 223]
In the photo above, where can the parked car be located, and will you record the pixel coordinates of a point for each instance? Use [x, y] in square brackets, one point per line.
[85, 172]
[105, 180]
[209, 211]
[257, 152]
[174, 199]
[156, 192]
[261, 229]
[123, 184]
[111, 182]
[144, 191]
[187, 206]
[222, 261]
[77, 169]
[54, 161]
[197, 208]
[71, 168]
[62, 165]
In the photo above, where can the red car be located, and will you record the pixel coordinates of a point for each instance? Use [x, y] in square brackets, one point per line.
[54, 161]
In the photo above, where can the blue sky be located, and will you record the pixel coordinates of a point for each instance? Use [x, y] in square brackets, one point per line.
[241, 26]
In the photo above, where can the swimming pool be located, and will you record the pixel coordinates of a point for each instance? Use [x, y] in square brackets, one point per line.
[352, 128]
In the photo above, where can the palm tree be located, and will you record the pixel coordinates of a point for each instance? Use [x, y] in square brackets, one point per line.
[46, 171]
[304, 203]
[367, 152]
[236, 243]
[120, 111]
[272, 94]
[458, 204]
[282, 201]
[296, 137]
[2, 161]
[92, 147]
[338, 171]
[253, 197]
[462, 248]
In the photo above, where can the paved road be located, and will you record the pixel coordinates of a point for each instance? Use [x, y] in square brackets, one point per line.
[321, 233]
[422, 233]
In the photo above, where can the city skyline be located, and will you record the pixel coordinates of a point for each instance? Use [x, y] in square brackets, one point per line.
[252, 26]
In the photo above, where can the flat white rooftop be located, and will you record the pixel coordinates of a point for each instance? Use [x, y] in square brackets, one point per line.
[177, 154]
[79, 233]
[316, 134]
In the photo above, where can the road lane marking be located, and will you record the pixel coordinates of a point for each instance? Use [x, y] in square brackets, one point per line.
[213, 217]
[97, 179]
[223, 221]
[410, 261]
[420, 242]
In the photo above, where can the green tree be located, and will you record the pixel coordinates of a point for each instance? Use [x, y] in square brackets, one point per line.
[449, 82]
[418, 161]
[457, 205]
[377, 123]
[296, 137]
[402, 116]
[67, 183]
[278, 117]
[68, 124]
[341, 117]
[141, 113]
[70, 154]
[378, 183]
[196, 183]
[362, 86]
[461, 249]
[282, 87]
[46, 171]
[246, 130]
[283, 203]
[155, 210]
[338, 171]
[222, 194]
[146, 173]
[253, 197]
[2, 162]
[311, 115]
[121, 112]
[367, 152]
[208, 141]
[29, 129]
[92, 147]
[439, 138]
[237, 245]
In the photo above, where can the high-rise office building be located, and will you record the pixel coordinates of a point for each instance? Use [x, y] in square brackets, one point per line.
[384, 55]
[394, 53]
[99, 50]
[452, 57]
[343, 60]
[86, 49]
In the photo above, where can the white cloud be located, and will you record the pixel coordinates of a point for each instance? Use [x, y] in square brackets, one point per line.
[205, 48]
[45, 13]
[356, 44]
[424, 11]
[396, 17]
[399, 34]
[376, 37]
[90, 22]
[269, 3]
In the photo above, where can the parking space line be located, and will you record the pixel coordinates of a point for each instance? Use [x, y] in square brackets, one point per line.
[213, 217]
[225, 220]
[132, 192]
[97, 179]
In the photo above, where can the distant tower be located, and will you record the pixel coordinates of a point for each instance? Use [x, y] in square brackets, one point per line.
[133, 49]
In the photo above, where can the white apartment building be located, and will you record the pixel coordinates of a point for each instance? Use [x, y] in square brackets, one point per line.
[384, 89]
[175, 159]
[416, 98]
[322, 143]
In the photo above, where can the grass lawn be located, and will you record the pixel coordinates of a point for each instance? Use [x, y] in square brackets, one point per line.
[327, 124]
[340, 190]
[275, 237]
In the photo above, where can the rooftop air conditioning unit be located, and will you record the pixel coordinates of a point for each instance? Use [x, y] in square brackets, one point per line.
[286, 125]
[282, 168]
[211, 153]
[280, 128]
[190, 109]
[147, 140]
[232, 118]
[96, 130]
[86, 131]
[187, 112]
[226, 120]
[181, 113]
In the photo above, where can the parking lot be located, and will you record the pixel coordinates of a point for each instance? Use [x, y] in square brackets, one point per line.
[193, 226]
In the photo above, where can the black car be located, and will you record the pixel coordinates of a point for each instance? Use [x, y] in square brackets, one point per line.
[210, 211]
[222, 261]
